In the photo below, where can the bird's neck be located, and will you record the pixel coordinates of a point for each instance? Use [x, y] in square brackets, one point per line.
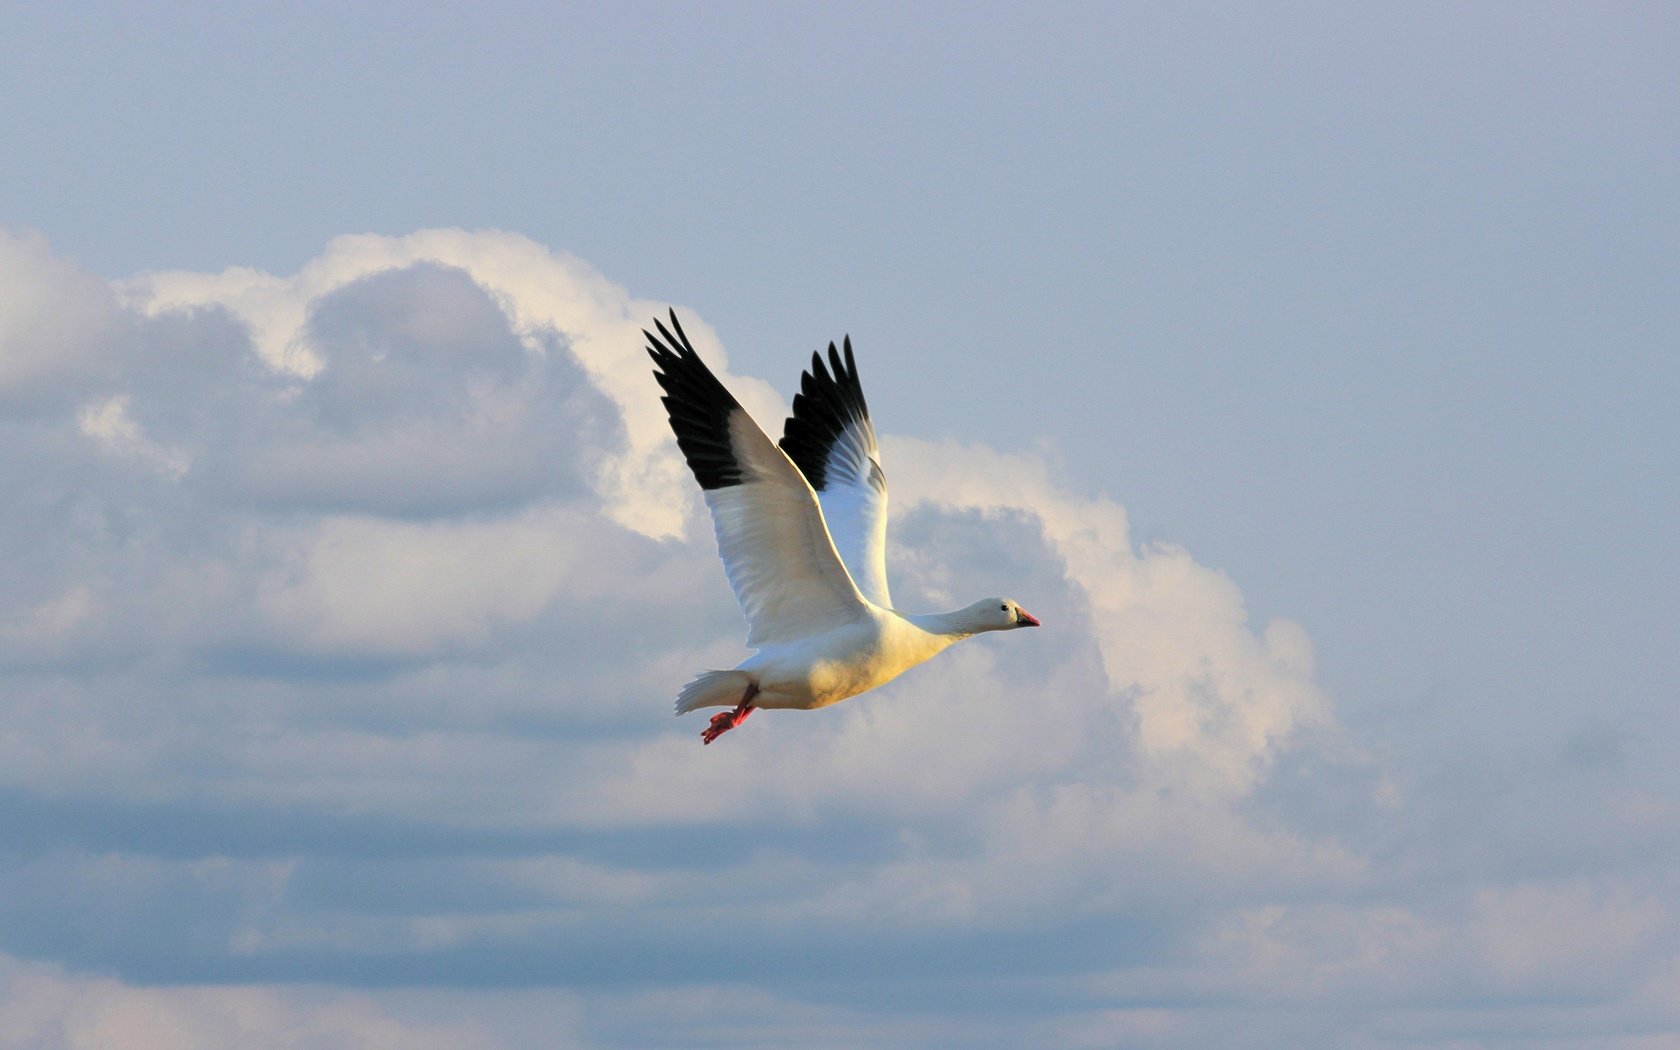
[955, 625]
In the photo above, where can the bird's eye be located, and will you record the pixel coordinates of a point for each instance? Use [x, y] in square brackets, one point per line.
[1003, 608]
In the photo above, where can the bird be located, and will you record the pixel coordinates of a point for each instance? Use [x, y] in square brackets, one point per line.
[802, 532]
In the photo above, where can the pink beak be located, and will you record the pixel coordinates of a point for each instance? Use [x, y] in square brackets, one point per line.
[1025, 618]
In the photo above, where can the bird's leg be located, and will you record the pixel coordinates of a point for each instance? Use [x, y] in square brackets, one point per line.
[728, 720]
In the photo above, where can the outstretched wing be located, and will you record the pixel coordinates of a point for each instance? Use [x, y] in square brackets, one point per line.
[829, 437]
[775, 547]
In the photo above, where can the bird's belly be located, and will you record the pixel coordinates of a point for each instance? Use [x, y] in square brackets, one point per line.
[832, 682]
[814, 683]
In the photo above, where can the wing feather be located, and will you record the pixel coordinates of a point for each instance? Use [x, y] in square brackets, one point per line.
[775, 546]
[830, 439]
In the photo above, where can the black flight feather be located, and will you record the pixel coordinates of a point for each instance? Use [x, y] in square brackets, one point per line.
[829, 400]
[699, 407]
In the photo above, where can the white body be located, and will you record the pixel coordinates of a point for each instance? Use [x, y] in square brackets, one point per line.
[827, 668]
[845, 660]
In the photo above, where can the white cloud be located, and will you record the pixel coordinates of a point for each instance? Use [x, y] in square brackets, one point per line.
[540, 291]
[56, 322]
[1213, 702]
[375, 586]
[109, 423]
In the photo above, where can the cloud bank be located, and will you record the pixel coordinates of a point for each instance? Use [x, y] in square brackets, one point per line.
[342, 618]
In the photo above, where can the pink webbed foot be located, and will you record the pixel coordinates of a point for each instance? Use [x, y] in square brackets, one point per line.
[726, 721]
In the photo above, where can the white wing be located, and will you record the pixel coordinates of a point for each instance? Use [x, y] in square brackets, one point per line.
[831, 441]
[775, 546]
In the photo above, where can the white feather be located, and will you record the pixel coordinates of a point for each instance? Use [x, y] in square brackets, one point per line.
[854, 503]
[776, 550]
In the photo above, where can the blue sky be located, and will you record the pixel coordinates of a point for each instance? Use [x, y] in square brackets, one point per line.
[1309, 371]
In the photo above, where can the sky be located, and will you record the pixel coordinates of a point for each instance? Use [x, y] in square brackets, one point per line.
[1308, 370]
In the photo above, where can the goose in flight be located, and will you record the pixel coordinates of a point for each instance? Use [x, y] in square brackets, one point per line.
[785, 517]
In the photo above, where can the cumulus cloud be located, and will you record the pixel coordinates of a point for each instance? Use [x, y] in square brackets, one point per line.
[540, 295]
[55, 323]
[345, 613]
[1213, 701]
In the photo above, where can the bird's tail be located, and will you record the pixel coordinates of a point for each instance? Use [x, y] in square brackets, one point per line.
[713, 689]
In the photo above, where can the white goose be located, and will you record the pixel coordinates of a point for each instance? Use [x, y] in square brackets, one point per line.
[822, 634]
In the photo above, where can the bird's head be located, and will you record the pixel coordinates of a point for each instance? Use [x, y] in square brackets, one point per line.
[1000, 614]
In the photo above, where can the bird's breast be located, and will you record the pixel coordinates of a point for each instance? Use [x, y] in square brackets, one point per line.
[826, 670]
[886, 652]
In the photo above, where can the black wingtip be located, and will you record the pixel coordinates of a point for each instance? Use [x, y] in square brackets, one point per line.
[676, 347]
[678, 326]
[697, 405]
[829, 399]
